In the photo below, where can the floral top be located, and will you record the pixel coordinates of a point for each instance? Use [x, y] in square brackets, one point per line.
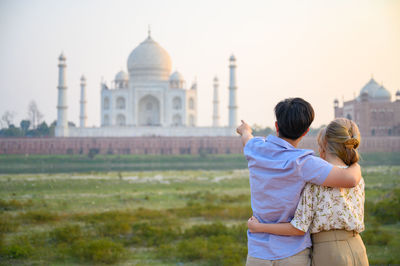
[324, 208]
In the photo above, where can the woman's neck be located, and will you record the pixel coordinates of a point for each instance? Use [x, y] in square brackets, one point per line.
[333, 159]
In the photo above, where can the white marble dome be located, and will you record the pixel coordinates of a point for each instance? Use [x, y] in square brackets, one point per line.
[122, 76]
[375, 92]
[382, 94]
[176, 76]
[149, 61]
[370, 87]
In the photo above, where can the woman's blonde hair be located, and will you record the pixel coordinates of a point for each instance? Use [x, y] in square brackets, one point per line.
[342, 138]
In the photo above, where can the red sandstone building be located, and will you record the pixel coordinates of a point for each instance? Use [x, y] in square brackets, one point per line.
[373, 111]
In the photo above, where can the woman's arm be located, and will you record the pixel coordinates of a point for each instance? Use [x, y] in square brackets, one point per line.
[301, 221]
[343, 177]
[285, 229]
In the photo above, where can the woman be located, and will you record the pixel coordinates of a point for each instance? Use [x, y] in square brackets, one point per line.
[334, 216]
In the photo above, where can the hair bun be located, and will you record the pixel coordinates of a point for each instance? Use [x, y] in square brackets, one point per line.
[351, 143]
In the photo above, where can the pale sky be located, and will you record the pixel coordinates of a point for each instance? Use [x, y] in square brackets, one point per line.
[318, 50]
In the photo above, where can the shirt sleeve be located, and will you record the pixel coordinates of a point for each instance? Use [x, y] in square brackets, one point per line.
[315, 170]
[304, 214]
[251, 148]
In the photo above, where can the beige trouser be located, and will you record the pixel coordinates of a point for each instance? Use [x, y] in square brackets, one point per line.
[338, 247]
[300, 259]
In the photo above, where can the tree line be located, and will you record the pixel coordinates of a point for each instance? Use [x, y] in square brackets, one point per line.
[265, 131]
[32, 126]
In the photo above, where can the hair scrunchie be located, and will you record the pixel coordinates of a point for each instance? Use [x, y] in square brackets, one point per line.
[351, 143]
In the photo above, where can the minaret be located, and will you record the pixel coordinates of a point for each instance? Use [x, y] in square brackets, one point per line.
[215, 104]
[82, 115]
[232, 92]
[62, 118]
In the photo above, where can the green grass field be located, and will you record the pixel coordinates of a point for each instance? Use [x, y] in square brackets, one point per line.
[152, 218]
[159, 217]
[17, 164]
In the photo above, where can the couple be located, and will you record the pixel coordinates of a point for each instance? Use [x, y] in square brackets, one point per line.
[294, 193]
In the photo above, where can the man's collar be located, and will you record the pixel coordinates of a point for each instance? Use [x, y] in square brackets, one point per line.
[281, 142]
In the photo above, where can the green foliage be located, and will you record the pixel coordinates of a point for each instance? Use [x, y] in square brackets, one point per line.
[146, 234]
[66, 234]
[380, 158]
[99, 251]
[99, 162]
[8, 224]
[211, 211]
[259, 131]
[386, 210]
[118, 228]
[42, 130]
[215, 244]
[190, 220]
[213, 198]
[25, 124]
[118, 215]
[376, 236]
[11, 131]
[39, 217]
[19, 248]
[93, 152]
[12, 205]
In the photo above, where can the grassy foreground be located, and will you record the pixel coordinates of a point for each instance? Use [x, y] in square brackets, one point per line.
[157, 217]
[106, 163]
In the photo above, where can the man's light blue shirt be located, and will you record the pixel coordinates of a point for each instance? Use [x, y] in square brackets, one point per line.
[278, 174]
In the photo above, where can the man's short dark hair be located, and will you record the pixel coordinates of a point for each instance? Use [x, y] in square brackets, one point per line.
[294, 117]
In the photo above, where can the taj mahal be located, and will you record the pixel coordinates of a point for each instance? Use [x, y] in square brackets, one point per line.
[148, 100]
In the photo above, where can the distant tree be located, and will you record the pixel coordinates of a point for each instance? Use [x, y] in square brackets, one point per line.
[35, 116]
[11, 131]
[71, 124]
[52, 128]
[259, 131]
[43, 129]
[25, 124]
[7, 119]
[315, 131]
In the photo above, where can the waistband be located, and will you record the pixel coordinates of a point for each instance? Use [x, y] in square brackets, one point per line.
[332, 235]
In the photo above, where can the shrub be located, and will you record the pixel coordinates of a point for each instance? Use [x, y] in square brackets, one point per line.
[206, 230]
[114, 228]
[223, 250]
[99, 251]
[215, 250]
[18, 249]
[8, 224]
[192, 249]
[387, 210]
[142, 213]
[66, 234]
[12, 205]
[147, 234]
[39, 217]
[376, 236]
[101, 217]
[93, 152]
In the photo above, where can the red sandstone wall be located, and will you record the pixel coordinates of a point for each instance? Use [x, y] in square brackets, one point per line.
[132, 145]
[161, 145]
